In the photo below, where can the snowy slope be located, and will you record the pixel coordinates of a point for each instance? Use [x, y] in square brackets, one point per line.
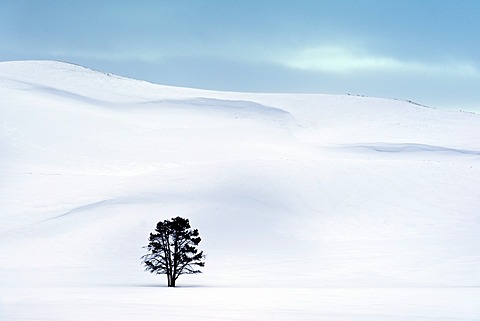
[287, 190]
[357, 190]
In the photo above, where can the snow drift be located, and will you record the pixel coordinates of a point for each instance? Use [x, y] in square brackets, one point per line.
[286, 189]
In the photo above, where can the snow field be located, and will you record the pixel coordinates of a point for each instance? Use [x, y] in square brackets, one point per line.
[150, 303]
[311, 207]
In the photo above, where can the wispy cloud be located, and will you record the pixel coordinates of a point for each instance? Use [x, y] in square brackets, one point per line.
[343, 60]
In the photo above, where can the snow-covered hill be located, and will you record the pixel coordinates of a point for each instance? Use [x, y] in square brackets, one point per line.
[286, 189]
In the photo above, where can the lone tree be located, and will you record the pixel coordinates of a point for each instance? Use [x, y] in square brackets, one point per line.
[172, 250]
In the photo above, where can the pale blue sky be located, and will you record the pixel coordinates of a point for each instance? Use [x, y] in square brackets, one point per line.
[422, 50]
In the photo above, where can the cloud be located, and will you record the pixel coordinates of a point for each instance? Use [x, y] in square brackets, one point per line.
[344, 60]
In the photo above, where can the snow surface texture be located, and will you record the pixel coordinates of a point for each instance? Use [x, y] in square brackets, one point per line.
[311, 207]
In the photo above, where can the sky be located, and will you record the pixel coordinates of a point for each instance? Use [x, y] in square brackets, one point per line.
[427, 51]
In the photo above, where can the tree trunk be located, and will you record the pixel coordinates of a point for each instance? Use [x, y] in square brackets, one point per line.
[169, 280]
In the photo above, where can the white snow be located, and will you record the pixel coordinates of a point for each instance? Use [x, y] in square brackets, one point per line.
[311, 207]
